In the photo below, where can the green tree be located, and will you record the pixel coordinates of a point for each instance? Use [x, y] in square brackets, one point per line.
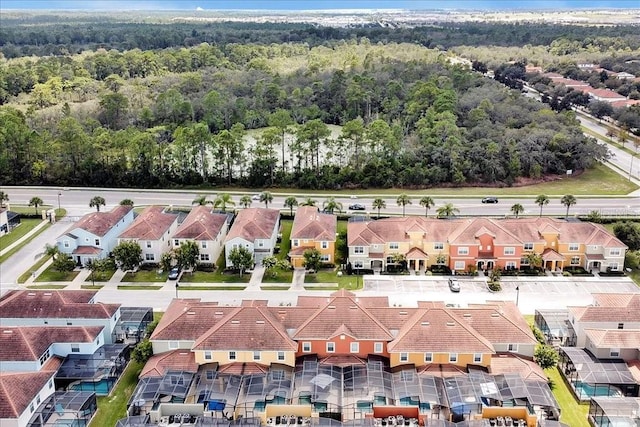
[4, 197]
[52, 251]
[126, 202]
[517, 209]
[534, 259]
[187, 255]
[142, 352]
[95, 266]
[427, 203]
[308, 202]
[403, 200]
[312, 259]
[447, 210]
[378, 203]
[281, 120]
[166, 261]
[331, 205]
[266, 197]
[128, 255]
[542, 200]
[290, 202]
[96, 202]
[63, 262]
[628, 233]
[201, 201]
[546, 356]
[35, 202]
[241, 259]
[222, 201]
[568, 200]
[245, 201]
[594, 216]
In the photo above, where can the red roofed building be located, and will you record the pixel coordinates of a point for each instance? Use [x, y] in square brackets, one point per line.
[313, 229]
[255, 229]
[152, 229]
[208, 229]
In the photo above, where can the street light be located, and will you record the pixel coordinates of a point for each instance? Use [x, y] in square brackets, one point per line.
[517, 295]
[177, 286]
[59, 194]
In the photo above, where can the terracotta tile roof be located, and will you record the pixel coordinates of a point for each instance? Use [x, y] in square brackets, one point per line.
[625, 102]
[551, 255]
[311, 224]
[342, 360]
[27, 343]
[291, 317]
[201, 224]
[151, 224]
[188, 319]
[17, 390]
[617, 300]
[176, 360]
[342, 309]
[604, 93]
[442, 370]
[511, 363]
[396, 229]
[31, 304]
[499, 325]
[634, 368]
[438, 330]
[393, 318]
[605, 314]
[614, 338]
[243, 368]
[246, 329]
[254, 223]
[99, 223]
[86, 250]
[416, 253]
[469, 230]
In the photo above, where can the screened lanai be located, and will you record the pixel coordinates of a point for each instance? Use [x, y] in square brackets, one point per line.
[425, 391]
[318, 385]
[173, 387]
[215, 390]
[261, 389]
[366, 386]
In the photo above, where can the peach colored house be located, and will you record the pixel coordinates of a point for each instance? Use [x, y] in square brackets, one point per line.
[313, 229]
[152, 229]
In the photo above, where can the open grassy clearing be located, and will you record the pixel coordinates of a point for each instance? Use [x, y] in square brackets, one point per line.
[331, 276]
[113, 407]
[573, 414]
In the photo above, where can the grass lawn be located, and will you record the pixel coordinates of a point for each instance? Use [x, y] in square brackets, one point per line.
[285, 242]
[274, 288]
[101, 276]
[49, 286]
[277, 275]
[51, 275]
[217, 276]
[573, 413]
[92, 287]
[5, 243]
[210, 288]
[23, 278]
[113, 407]
[26, 225]
[331, 276]
[145, 276]
[139, 287]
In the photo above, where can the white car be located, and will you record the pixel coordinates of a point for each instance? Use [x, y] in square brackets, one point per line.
[255, 197]
[454, 285]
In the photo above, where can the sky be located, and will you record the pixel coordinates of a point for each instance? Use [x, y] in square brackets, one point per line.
[314, 4]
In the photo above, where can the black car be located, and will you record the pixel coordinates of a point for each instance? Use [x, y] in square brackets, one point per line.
[174, 273]
[490, 200]
[357, 207]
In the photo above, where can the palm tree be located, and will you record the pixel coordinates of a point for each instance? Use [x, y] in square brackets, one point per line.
[403, 200]
[427, 203]
[201, 200]
[517, 209]
[542, 200]
[245, 201]
[447, 210]
[126, 202]
[290, 202]
[35, 201]
[4, 197]
[331, 205]
[222, 201]
[96, 202]
[52, 251]
[308, 202]
[266, 197]
[568, 200]
[378, 203]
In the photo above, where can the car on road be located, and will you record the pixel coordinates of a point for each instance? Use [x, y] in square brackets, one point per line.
[255, 197]
[490, 199]
[174, 273]
[353, 196]
[357, 207]
[454, 285]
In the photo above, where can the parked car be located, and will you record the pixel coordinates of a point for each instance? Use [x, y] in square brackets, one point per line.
[454, 285]
[357, 207]
[174, 273]
[490, 200]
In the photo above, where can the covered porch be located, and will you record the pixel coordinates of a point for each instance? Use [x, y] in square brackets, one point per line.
[552, 260]
[417, 259]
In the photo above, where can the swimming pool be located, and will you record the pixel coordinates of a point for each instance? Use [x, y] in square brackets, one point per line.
[102, 387]
[588, 390]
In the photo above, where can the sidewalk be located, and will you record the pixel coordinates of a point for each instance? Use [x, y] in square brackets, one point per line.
[31, 232]
[31, 279]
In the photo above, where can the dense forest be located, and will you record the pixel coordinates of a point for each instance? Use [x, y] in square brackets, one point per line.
[175, 116]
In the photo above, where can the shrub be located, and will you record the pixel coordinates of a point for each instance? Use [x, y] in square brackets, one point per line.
[545, 356]
[495, 286]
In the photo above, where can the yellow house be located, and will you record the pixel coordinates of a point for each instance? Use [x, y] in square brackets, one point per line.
[313, 229]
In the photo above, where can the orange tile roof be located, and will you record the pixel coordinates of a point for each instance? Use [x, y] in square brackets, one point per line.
[614, 338]
[188, 319]
[510, 363]
[99, 223]
[617, 300]
[311, 224]
[151, 224]
[254, 223]
[201, 224]
[605, 314]
[24, 343]
[175, 360]
[499, 325]
[17, 390]
[55, 304]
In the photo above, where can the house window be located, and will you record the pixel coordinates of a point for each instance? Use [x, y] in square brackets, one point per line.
[512, 347]
[358, 250]
[69, 323]
[31, 407]
[149, 257]
[509, 250]
[176, 242]
[37, 399]
[574, 246]
[51, 383]
[428, 357]
[173, 345]
[404, 357]
[44, 357]
[296, 242]
[75, 348]
[260, 243]
[325, 245]
[204, 257]
[528, 246]
[355, 347]
[459, 265]
[210, 374]
[325, 258]
[453, 357]
[306, 347]
[524, 261]
[614, 252]
[463, 250]
[358, 264]
[66, 243]
[97, 242]
[204, 245]
[393, 245]
[614, 352]
[207, 355]
[148, 244]
[477, 358]
[377, 347]
[613, 266]
[232, 355]
[256, 355]
[575, 260]
[620, 325]
[438, 245]
[331, 347]
[510, 264]
[281, 355]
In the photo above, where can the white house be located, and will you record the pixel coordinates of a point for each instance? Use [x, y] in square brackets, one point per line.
[207, 229]
[21, 394]
[255, 229]
[95, 235]
[152, 229]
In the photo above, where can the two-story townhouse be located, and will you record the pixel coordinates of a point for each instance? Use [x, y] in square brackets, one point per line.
[249, 334]
[59, 308]
[21, 393]
[313, 229]
[152, 229]
[95, 235]
[29, 348]
[255, 229]
[205, 227]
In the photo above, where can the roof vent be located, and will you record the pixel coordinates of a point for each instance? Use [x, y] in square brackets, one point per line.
[353, 307]
[259, 322]
[218, 313]
[191, 313]
[7, 331]
[425, 323]
[451, 323]
[235, 322]
[495, 314]
[403, 313]
[331, 307]
[467, 315]
[31, 294]
[47, 294]
[282, 312]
